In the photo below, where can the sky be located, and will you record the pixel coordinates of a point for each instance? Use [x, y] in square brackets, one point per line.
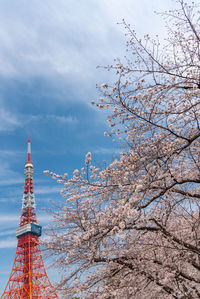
[49, 53]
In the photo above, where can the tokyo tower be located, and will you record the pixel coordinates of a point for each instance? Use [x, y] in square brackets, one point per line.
[28, 278]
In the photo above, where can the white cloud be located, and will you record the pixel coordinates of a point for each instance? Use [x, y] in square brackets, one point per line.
[8, 120]
[139, 13]
[8, 232]
[67, 37]
[63, 119]
[44, 219]
[46, 37]
[8, 243]
[7, 175]
[5, 218]
[5, 272]
[11, 181]
[13, 153]
[8, 221]
[47, 190]
[104, 150]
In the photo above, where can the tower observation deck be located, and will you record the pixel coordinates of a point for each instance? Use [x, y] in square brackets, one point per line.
[28, 278]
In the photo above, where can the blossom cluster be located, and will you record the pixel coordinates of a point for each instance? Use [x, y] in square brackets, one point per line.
[131, 229]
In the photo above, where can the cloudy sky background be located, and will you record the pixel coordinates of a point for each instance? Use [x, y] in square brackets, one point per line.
[49, 51]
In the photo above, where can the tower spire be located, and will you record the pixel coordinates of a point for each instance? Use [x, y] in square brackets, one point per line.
[28, 278]
[29, 150]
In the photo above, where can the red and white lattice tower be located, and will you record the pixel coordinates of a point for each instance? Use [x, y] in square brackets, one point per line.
[28, 278]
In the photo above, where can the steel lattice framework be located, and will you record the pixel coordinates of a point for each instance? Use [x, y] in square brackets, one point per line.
[28, 278]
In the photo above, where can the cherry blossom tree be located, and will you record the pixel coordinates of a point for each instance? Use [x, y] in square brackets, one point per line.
[131, 230]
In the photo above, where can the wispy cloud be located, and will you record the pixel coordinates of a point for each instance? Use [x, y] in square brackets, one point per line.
[7, 175]
[53, 117]
[63, 119]
[9, 218]
[60, 37]
[104, 150]
[8, 120]
[44, 37]
[8, 243]
[47, 190]
[7, 232]
[44, 219]
[14, 218]
[11, 153]
[5, 272]
[11, 181]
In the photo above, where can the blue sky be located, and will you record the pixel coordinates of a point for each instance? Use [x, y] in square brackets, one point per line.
[49, 51]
